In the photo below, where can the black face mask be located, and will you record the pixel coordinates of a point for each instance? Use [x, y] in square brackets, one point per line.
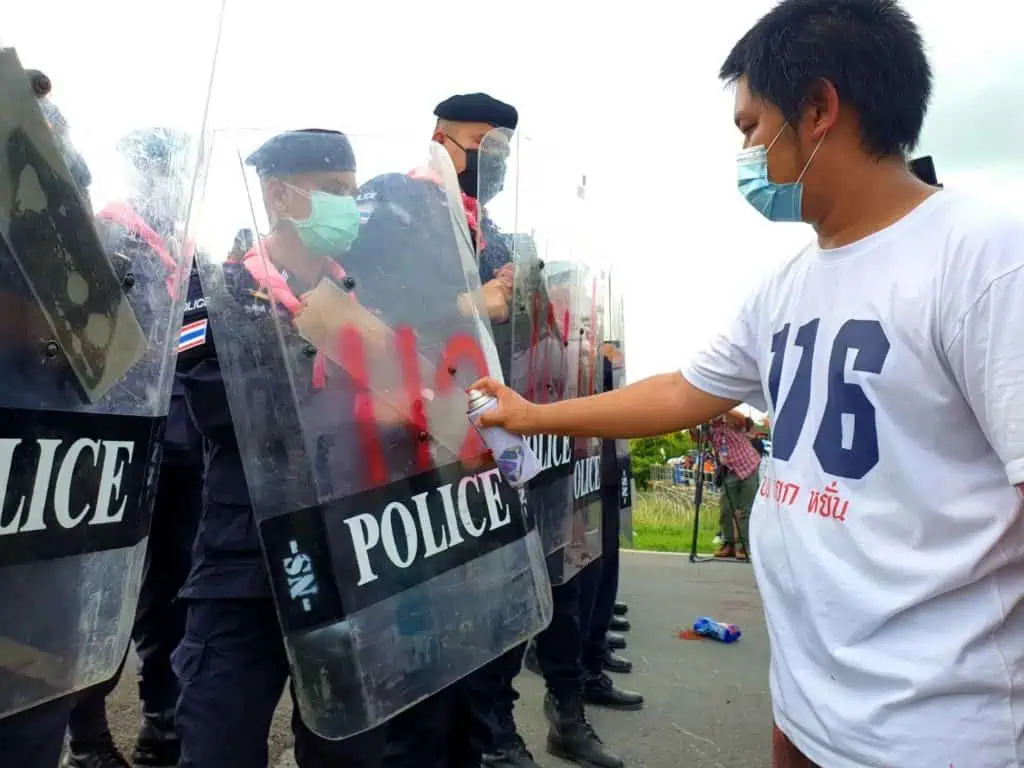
[469, 179]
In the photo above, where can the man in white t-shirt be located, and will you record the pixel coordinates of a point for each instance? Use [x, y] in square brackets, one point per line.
[888, 539]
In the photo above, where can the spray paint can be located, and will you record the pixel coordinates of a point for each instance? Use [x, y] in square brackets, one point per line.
[516, 460]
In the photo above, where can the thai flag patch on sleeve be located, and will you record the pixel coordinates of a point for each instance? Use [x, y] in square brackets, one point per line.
[192, 335]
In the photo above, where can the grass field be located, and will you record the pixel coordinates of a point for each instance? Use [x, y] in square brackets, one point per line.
[663, 520]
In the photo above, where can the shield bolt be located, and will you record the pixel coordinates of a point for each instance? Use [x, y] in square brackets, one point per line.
[41, 84]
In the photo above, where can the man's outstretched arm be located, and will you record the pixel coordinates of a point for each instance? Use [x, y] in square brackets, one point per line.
[654, 406]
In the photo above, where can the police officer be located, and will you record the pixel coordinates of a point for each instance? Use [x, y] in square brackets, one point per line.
[486, 697]
[145, 223]
[231, 662]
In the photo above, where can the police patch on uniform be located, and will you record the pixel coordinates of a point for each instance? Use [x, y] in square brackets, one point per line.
[192, 335]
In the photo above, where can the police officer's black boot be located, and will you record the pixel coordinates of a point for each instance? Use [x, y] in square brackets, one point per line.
[619, 624]
[101, 753]
[511, 753]
[599, 690]
[510, 749]
[157, 743]
[615, 641]
[572, 737]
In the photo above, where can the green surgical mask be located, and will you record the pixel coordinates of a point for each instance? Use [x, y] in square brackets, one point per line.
[333, 223]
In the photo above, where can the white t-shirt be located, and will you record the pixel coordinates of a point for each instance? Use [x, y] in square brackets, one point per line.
[893, 371]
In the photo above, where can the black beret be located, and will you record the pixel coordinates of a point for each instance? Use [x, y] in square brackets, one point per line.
[310, 150]
[478, 108]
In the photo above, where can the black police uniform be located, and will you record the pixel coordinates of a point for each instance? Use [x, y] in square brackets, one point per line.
[231, 663]
[601, 583]
[488, 694]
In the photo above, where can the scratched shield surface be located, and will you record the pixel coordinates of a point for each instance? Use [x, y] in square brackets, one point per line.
[400, 560]
[91, 295]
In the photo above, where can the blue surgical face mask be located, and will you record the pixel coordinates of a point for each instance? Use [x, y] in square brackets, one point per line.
[332, 225]
[776, 202]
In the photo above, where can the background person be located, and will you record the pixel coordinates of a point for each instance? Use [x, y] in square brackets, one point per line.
[738, 463]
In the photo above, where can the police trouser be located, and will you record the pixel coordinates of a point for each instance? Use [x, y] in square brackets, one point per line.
[439, 732]
[160, 616]
[559, 646]
[599, 586]
[490, 700]
[34, 738]
[232, 671]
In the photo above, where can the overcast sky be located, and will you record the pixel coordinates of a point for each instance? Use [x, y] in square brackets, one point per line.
[629, 93]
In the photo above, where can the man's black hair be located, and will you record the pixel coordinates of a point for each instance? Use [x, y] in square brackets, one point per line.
[870, 50]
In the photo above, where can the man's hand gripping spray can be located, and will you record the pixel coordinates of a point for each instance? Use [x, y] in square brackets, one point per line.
[516, 460]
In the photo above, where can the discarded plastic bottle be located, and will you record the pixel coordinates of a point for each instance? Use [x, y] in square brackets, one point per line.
[716, 630]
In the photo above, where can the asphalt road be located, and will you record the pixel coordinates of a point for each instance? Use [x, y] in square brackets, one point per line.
[707, 704]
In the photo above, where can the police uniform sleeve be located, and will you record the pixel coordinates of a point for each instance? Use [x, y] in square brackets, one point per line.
[254, 357]
[204, 381]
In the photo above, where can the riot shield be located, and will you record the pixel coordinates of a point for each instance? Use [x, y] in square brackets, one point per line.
[90, 304]
[535, 337]
[586, 543]
[399, 559]
[615, 354]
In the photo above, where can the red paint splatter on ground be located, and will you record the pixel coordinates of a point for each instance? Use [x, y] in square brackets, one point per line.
[689, 634]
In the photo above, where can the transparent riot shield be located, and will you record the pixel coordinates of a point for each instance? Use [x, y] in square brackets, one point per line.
[400, 561]
[615, 354]
[585, 543]
[91, 292]
[538, 328]
[498, 241]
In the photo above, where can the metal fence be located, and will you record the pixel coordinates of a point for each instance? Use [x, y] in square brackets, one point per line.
[675, 474]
